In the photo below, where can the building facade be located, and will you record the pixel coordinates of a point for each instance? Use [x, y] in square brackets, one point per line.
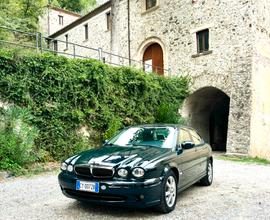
[55, 19]
[223, 45]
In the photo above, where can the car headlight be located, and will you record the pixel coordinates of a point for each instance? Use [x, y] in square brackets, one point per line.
[138, 172]
[122, 172]
[70, 168]
[64, 166]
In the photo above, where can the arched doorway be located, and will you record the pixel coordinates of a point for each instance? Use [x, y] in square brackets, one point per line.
[153, 59]
[207, 110]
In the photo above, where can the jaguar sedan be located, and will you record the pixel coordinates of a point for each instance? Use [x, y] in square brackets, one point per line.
[141, 166]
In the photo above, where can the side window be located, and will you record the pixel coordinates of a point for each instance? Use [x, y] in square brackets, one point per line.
[196, 138]
[184, 136]
[202, 41]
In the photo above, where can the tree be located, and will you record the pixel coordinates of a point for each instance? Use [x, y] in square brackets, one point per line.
[79, 6]
[23, 14]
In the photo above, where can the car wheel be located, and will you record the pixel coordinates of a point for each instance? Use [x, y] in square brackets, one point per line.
[208, 179]
[168, 193]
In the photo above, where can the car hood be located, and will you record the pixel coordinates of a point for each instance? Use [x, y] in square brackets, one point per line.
[122, 156]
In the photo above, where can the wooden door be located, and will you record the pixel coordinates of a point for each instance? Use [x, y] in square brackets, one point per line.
[153, 59]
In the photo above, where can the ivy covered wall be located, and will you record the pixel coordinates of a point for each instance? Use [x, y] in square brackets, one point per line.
[71, 97]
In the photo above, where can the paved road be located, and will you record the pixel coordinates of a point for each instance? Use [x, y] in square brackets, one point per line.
[239, 191]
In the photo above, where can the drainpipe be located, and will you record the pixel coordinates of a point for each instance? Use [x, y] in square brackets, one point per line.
[128, 10]
[49, 28]
[48, 17]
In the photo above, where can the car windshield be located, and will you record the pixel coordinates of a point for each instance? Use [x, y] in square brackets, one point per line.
[162, 137]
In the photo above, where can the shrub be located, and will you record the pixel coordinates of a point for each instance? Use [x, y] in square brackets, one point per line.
[64, 95]
[17, 138]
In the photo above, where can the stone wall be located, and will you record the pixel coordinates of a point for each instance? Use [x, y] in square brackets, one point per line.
[174, 24]
[260, 121]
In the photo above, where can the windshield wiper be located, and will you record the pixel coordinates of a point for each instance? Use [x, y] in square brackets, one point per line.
[111, 144]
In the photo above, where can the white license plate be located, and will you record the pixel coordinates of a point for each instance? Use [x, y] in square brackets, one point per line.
[87, 186]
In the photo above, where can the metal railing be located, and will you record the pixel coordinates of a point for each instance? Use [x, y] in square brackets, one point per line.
[39, 43]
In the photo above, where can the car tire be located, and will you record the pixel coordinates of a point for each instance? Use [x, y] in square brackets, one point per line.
[208, 179]
[168, 190]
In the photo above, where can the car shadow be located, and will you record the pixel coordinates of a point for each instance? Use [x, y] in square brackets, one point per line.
[121, 211]
[113, 211]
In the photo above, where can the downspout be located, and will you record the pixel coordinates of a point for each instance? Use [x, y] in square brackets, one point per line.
[129, 53]
[48, 20]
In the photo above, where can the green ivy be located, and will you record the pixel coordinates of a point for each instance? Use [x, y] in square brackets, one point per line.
[65, 94]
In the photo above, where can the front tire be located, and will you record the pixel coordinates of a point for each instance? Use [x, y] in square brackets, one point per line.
[168, 193]
[208, 179]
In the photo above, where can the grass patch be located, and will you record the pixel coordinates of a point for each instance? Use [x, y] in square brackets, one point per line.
[244, 159]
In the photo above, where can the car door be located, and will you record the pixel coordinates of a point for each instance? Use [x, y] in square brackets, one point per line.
[186, 160]
[200, 154]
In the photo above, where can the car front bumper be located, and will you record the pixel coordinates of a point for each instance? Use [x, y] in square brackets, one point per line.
[126, 193]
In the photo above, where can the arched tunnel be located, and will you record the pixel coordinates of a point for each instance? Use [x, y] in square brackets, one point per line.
[207, 110]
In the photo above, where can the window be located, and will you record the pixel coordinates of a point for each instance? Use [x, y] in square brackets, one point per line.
[150, 4]
[196, 138]
[203, 41]
[86, 36]
[108, 18]
[66, 36]
[61, 19]
[184, 136]
[55, 45]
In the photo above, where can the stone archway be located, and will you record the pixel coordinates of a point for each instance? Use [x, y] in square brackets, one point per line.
[207, 110]
[146, 44]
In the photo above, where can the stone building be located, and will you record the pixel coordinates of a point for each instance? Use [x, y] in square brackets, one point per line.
[55, 18]
[224, 45]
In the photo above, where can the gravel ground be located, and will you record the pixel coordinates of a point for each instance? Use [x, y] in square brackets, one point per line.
[239, 191]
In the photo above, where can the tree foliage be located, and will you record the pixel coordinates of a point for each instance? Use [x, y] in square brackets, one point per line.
[79, 6]
[63, 95]
[23, 14]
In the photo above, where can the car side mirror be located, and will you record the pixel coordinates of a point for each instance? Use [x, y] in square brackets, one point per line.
[179, 149]
[188, 145]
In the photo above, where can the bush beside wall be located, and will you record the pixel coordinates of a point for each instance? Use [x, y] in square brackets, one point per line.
[65, 95]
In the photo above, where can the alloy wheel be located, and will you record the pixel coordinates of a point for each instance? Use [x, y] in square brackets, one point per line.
[170, 191]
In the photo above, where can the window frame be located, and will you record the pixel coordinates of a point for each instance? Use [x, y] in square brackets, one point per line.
[202, 39]
[61, 20]
[147, 7]
[86, 32]
[66, 41]
[55, 46]
[108, 20]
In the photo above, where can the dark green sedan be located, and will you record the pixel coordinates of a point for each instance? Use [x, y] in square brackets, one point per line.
[141, 166]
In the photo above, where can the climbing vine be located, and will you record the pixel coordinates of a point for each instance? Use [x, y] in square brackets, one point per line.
[63, 95]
